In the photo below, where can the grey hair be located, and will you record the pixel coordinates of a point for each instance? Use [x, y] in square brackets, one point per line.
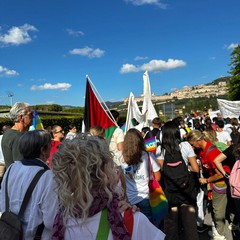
[81, 165]
[32, 142]
[17, 109]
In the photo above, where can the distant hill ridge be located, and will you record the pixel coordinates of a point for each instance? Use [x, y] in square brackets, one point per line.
[216, 88]
[221, 79]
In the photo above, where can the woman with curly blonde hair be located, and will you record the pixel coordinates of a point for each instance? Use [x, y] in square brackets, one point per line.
[86, 182]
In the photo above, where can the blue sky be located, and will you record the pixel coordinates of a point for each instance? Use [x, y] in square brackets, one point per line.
[48, 47]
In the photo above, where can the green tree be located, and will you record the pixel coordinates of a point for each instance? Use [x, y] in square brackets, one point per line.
[55, 108]
[234, 84]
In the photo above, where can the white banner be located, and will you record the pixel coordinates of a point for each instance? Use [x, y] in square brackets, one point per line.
[229, 108]
[213, 114]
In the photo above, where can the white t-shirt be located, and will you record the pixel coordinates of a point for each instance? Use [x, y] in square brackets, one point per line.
[228, 128]
[70, 135]
[117, 137]
[186, 151]
[182, 133]
[142, 229]
[137, 178]
[224, 137]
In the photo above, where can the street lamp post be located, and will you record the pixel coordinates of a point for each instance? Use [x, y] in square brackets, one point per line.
[10, 95]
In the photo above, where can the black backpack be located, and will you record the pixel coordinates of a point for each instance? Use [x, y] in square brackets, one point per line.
[179, 185]
[10, 223]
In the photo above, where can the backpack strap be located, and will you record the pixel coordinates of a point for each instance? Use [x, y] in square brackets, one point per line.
[150, 169]
[210, 149]
[26, 199]
[29, 192]
[103, 229]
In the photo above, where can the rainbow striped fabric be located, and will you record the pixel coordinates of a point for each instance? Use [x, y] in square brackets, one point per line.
[150, 144]
[158, 201]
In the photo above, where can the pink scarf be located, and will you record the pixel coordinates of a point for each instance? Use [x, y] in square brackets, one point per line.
[115, 218]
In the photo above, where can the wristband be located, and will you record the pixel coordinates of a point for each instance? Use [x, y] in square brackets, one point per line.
[226, 175]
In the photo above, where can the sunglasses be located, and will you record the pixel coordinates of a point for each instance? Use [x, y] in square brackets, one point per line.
[61, 131]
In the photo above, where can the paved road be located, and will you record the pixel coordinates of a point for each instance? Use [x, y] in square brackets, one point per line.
[204, 236]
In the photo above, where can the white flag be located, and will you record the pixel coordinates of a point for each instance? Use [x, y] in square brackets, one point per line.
[133, 113]
[148, 108]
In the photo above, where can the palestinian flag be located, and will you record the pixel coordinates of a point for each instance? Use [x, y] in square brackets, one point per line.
[95, 114]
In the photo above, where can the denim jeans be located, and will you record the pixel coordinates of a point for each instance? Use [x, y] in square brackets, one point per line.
[145, 208]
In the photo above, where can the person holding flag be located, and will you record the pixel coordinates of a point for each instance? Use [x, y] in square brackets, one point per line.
[117, 139]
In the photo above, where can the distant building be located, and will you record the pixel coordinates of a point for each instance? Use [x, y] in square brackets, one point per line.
[201, 90]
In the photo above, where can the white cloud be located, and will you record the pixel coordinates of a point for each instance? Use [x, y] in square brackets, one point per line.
[8, 72]
[49, 86]
[88, 52]
[49, 102]
[232, 46]
[154, 66]
[212, 58]
[138, 58]
[75, 33]
[18, 35]
[150, 2]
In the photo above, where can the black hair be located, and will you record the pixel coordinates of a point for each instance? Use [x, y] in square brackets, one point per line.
[171, 137]
[145, 129]
[71, 126]
[115, 114]
[32, 142]
[220, 123]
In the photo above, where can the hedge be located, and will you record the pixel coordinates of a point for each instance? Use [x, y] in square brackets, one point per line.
[61, 121]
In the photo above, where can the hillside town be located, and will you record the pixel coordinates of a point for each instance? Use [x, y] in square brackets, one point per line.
[201, 90]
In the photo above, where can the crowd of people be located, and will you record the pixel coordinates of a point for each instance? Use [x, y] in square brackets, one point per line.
[95, 189]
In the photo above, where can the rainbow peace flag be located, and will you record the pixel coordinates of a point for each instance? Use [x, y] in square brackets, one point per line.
[150, 144]
[158, 201]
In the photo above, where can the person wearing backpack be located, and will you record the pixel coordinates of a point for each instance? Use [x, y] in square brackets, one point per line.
[216, 179]
[89, 205]
[41, 209]
[178, 162]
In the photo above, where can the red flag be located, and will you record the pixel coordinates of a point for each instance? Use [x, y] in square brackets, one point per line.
[95, 114]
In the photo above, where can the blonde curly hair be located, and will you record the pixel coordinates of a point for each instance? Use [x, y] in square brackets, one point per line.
[79, 166]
